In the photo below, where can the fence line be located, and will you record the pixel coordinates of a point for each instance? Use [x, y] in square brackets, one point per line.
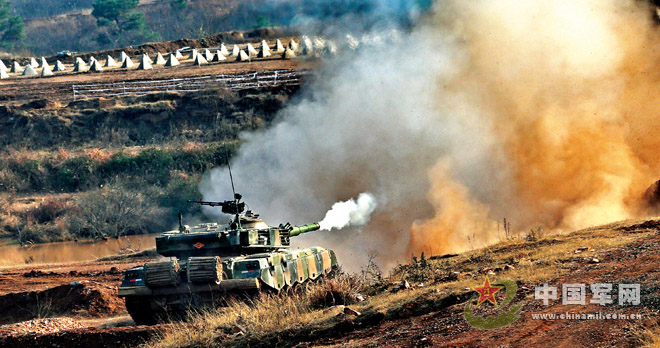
[191, 84]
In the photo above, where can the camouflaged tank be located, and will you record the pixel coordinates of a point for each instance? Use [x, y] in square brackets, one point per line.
[209, 262]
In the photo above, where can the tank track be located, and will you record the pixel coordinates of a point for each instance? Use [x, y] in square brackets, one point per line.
[146, 310]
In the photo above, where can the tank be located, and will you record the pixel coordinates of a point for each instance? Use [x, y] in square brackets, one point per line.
[206, 264]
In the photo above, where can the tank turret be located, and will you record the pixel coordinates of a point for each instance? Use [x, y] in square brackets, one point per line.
[245, 234]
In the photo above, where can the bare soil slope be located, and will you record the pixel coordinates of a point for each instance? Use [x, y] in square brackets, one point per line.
[51, 305]
[632, 263]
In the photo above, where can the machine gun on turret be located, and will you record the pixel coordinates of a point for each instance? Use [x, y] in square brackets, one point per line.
[234, 207]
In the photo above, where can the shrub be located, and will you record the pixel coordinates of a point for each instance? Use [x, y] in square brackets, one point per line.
[74, 174]
[112, 212]
[419, 270]
[47, 211]
[177, 194]
[535, 234]
[340, 290]
[32, 232]
[30, 173]
[118, 163]
[201, 159]
[154, 160]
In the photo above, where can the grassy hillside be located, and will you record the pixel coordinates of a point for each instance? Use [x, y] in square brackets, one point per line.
[64, 167]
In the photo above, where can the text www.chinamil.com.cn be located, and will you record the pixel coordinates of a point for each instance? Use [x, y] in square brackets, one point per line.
[586, 316]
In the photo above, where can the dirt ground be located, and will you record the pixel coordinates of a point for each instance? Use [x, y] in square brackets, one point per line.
[31, 278]
[67, 305]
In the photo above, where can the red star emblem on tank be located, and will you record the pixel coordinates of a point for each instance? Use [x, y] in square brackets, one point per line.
[198, 245]
[487, 292]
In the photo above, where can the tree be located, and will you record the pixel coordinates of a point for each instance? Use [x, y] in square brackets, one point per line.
[119, 12]
[121, 17]
[178, 4]
[12, 28]
[113, 211]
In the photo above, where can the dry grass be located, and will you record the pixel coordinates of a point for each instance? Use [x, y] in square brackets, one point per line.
[650, 336]
[270, 316]
[534, 260]
[261, 317]
[99, 155]
[192, 146]
[95, 153]
[63, 154]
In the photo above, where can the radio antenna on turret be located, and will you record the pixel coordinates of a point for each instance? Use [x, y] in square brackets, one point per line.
[237, 197]
[231, 177]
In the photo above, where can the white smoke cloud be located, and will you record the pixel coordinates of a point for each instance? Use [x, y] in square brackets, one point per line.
[369, 123]
[350, 212]
[501, 109]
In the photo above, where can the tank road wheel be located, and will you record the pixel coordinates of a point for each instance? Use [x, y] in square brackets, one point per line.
[140, 310]
[179, 312]
[288, 291]
[153, 310]
[302, 288]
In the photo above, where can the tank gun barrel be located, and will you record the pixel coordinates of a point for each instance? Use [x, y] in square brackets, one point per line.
[298, 230]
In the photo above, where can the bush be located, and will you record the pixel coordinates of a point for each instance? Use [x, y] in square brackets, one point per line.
[177, 194]
[30, 174]
[205, 158]
[118, 163]
[419, 270]
[340, 290]
[113, 211]
[154, 160]
[33, 232]
[47, 211]
[74, 174]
